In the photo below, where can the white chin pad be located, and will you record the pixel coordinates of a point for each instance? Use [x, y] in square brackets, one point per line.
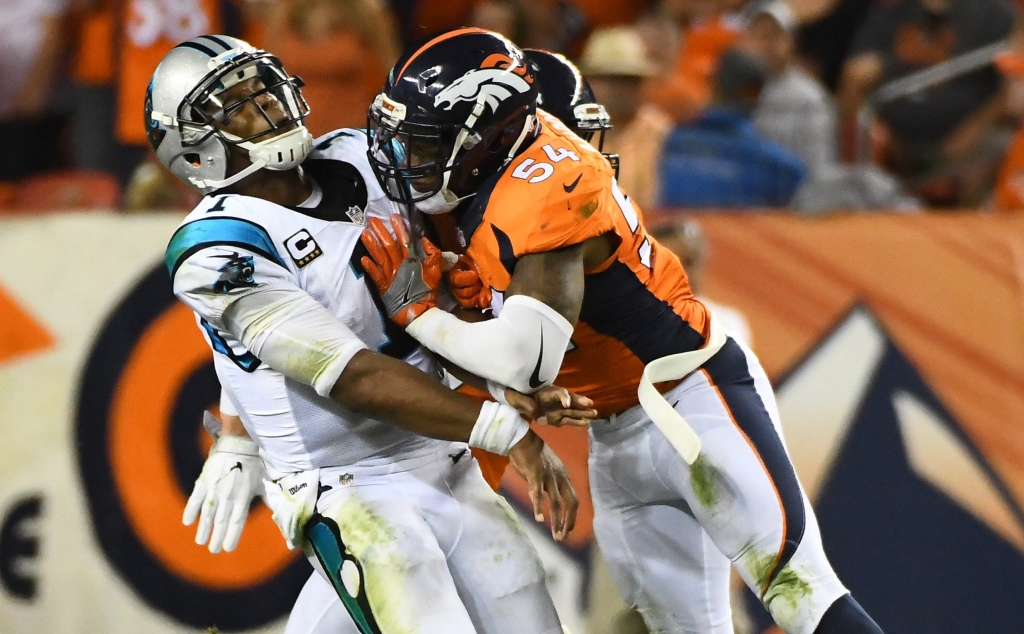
[442, 202]
[283, 152]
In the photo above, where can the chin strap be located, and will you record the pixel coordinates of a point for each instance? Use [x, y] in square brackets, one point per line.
[280, 153]
[527, 128]
[230, 180]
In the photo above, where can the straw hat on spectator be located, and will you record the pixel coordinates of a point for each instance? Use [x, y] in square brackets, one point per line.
[616, 51]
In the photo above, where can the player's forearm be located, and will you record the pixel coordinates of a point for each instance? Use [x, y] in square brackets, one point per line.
[393, 391]
[522, 348]
[231, 425]
[463, 376]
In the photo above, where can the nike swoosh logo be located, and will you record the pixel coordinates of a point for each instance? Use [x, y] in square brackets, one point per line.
[404, 301]
[457, 456]
[568, 188]
[238, 465]
[535, 381]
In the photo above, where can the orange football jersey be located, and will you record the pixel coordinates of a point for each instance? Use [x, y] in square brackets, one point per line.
[637, 306]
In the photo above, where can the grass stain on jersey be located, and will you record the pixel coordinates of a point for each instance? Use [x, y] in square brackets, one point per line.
[702, 479]
[587, 209]
[305, 361]
[788, 591]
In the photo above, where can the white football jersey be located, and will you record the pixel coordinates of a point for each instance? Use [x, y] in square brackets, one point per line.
[232, 245]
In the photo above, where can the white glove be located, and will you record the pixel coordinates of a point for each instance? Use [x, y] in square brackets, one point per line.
[230, 480]
[293, 501]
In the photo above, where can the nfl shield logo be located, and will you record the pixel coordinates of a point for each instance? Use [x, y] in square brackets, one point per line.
[356, 215]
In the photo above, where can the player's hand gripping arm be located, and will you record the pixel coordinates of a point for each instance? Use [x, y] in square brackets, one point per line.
[421, 404]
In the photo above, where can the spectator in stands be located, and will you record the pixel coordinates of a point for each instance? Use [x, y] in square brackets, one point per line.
[795, 110]
[708, 29]
[662, 37]
[32, 45]
[719, 160]
[341, 48]
[92, 76]
[942, 135]
[615, 63]
[550, 26]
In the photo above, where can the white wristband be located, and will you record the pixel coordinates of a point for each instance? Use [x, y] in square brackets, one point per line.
[497, 391]
[498, 428]
[237, 444]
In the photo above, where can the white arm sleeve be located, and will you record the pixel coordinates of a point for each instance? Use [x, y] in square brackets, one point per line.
[294, 334]
[259, 304]
[522, 348]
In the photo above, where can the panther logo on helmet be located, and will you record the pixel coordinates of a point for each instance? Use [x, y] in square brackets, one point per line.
[495, 80]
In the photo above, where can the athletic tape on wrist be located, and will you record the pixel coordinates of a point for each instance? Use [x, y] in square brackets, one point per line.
[497, 391]
[498, 428]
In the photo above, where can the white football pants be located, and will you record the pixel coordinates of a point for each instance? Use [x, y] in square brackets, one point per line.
[421, 545]
[669, 531]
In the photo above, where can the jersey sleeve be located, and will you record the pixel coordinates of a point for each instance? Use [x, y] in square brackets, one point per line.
[574, 209]
[230, 273]
[213, 262]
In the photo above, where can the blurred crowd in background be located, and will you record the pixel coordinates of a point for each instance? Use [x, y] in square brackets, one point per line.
[717, 104]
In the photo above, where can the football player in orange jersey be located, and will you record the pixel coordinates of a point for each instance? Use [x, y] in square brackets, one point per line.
[689, 472]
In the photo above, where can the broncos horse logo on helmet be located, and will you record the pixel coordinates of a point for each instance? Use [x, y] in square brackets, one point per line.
[493, 81]
[452, 114]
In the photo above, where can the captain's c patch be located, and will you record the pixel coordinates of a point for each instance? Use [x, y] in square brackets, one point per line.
[303, 248]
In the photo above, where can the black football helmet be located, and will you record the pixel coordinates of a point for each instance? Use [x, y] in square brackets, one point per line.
[452, 113]
[565, 93]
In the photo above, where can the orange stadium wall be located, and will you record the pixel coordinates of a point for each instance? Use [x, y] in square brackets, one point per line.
[896, 344]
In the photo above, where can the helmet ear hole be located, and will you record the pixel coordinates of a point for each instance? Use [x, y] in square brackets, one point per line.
[194, 159]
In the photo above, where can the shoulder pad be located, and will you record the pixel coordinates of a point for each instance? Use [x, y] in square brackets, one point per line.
[218, 231]
[343, 144]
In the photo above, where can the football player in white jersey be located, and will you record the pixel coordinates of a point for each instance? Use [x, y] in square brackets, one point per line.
[366, 448]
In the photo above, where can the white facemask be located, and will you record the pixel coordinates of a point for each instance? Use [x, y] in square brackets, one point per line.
[441, 202]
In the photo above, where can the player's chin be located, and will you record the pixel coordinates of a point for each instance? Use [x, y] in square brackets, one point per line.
[426, 185]
[281, 129]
